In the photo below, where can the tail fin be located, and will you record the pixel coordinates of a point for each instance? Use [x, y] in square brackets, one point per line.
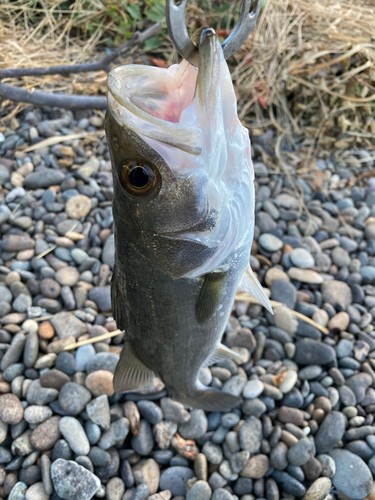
[210, 400]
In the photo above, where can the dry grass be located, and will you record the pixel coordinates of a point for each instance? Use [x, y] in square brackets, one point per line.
[308, 68]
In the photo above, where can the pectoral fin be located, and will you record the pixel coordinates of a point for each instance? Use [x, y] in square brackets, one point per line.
[131, 374]
[251, 285]
[210, 296]
[221, 353]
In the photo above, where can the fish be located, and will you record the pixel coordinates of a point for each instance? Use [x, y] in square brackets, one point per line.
[183, 209]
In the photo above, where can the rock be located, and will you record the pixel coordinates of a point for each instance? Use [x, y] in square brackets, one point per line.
[83, 355]
[37, 414]
[305, 276]
[289, 483]
[319, 489]
[312, 352]
[103, 361]
[199, 491]
[11, 409]
[147, 472]
[36, 492]
[54, 379]
[150, 411]
[337, 293]
[285, 292]
[301, 452]
[66, 363]
[253, 388]
[72, 481]
[285, 320]
[340, 321]
[108, 255]
[256, 467]
[67, 276]
[30, 353]
[213, 452]
[174, 479]
[73, 398]
[302, 258]
[250, 435]
[174, 411]
[75, 436]
[46, 434]
[101, 295]
[275, 274]
[196, 426]
[99, 412]
[354, 485]
[144, 442]
[117, 432]
[100, 382]
[270, 242]
[16, 243]
[78, 206]
[358, 383]
[50, 177]
[46, 330]
[330, 432]
[278, 456]
[68, 325]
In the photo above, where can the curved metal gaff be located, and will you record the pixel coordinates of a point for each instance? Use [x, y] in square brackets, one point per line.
[175, 13]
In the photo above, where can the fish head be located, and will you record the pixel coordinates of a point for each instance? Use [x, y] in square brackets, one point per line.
[183, 178]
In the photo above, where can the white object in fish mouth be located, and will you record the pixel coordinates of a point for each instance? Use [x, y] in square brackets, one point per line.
[190, 118]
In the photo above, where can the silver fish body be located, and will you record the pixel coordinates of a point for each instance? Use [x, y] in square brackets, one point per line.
[184, 220]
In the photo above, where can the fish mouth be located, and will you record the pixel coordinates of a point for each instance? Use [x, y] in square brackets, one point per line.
[151, 101]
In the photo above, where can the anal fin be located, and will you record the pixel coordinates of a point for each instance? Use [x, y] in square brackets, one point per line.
[210, 296]
[131, 374]
[118, 302]
[221, 353]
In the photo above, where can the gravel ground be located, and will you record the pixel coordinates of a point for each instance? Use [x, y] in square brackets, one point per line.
[305, 428]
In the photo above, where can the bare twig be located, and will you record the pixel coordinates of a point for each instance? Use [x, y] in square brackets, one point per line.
[14, 93]
[245, 297]
[93, 340]
[101, 65]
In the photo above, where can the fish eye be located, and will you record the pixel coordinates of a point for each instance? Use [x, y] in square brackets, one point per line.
[139, 179]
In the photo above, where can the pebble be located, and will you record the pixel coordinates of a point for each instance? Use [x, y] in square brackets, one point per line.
[100, 382]
[83, 487]
[73, 398]
[78, 206]
[75, 436]
[11, 409]
[313, 352]
[199, 491]
[256, 467]
[144, 441]
[46, 434]
[270, 242]
[330, 432]
[99, 412]
[172, 410]
[302, 258]
[354, 485]
[337, 293]
[174, 479]
[195, 427]
[250, 435]
[319, 489]
[305, 276]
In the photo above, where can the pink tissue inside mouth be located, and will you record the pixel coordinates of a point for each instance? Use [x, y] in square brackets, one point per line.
[165, 94]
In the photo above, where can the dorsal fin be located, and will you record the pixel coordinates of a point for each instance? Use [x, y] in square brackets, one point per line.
[210, 296]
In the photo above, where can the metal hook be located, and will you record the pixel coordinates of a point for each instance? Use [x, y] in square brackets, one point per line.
[175, 13]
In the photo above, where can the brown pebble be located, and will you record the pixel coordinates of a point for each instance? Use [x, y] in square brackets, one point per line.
[78, 206]
[318, 415]
[11, 409]
[323, 403]
[256, 467]
[340, 321]
[200, 467]
[15, 318]
[292, 415]
[16, 242]
[12, 277]
[50, 288]
[288, 438]
[312, 469]
[371, 496]
[303, 297]
[54, 379]
[132, 414]
[319, 489]
[67, 276]
[26, 254]
[59, 345]
[46, 435]
[100, 382]
[46, 330]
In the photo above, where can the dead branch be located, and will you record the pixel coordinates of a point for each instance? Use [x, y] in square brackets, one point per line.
[18, 94]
